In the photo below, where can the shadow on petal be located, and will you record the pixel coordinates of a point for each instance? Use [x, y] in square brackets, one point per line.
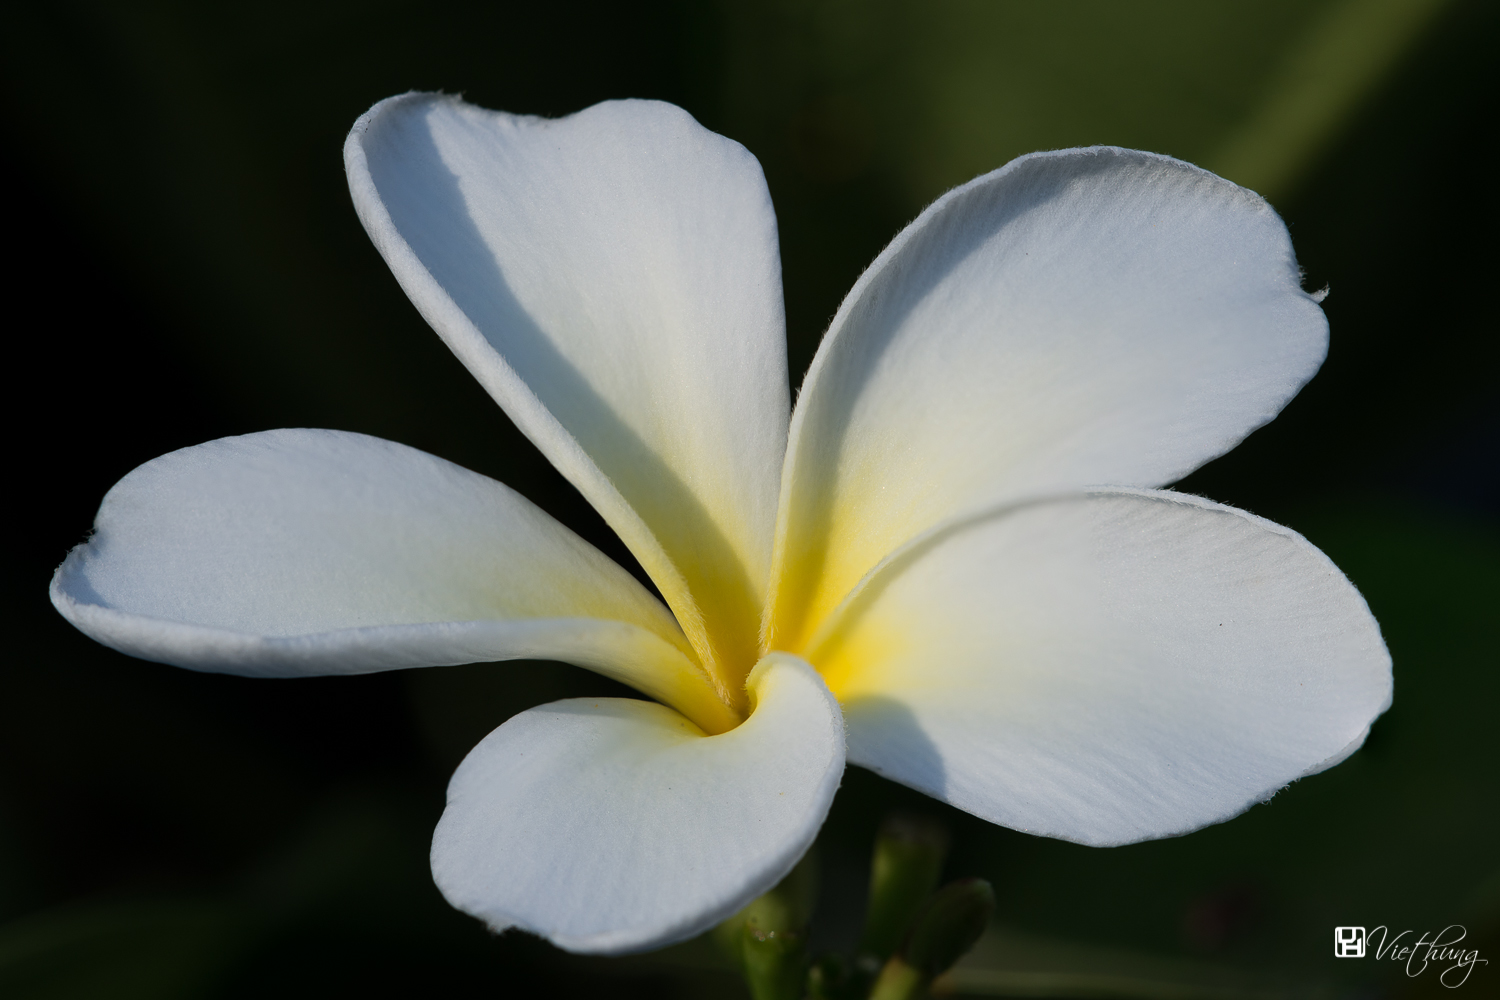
[885, 737]
[432, 213]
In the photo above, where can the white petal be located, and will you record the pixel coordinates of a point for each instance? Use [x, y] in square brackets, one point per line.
[614, 281]
[1079, 318]
[1107, 668]
[301, 552]
[611, 826]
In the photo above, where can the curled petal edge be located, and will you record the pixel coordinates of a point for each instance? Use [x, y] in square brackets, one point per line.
[612, 826]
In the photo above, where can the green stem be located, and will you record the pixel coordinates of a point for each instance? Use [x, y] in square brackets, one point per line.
[899, 981]
[775, 964]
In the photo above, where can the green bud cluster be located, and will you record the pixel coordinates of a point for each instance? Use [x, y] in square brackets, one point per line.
[913, 931]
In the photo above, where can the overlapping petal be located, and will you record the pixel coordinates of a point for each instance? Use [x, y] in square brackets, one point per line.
[1079, 318]
[613, 279]
[300, 552]
[1098, 664]
[1107, 667]
[609, 825]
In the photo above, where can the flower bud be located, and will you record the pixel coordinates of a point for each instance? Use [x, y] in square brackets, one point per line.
[768, 938]
[908, 860]
[949, 926]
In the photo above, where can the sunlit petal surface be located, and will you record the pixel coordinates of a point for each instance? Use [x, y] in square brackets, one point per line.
[613, 279]
[610, 825]
[1077, 318]
[1106, 668]
[301, 552]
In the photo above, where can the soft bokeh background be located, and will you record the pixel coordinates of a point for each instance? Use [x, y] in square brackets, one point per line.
[188, 266]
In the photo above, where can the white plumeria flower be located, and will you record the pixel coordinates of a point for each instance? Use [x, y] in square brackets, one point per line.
[919, 555]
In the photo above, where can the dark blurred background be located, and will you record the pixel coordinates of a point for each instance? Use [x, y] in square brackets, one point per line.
[194, 269]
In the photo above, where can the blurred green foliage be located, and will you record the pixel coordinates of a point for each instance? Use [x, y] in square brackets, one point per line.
[190, 267]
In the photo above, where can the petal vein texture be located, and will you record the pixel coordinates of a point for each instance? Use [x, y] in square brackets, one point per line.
[613, 279]
[1108, 667]
[1079, 318]
[299, 552]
